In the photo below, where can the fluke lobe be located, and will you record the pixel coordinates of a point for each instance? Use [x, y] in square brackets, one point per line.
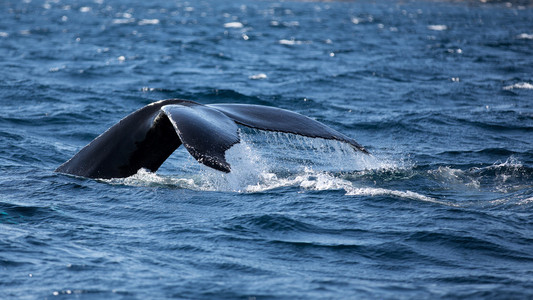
[147, 137]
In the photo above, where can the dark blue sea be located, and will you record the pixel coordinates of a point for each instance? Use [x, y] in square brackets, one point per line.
[440, 92]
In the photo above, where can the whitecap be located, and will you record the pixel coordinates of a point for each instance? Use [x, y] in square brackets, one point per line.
[356, 20]
[125, 15]
[56, 69]
[525, 36]
[323, 181]
[259, 76]
[123, 21]
[146, 178]
[148, 22]
[438, 27]
[526, 201]
[233, 25]
[455, 176]
[290, 42]
[510, 162]
[85, 9]
[520, 85]
[369, 191]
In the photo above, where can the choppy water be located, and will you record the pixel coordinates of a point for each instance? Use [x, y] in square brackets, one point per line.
[440, 92]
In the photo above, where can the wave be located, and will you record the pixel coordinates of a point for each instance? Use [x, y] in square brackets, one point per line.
[505, 177]
[14, 213]
[268, 161]
[519, 85]
[265, 162]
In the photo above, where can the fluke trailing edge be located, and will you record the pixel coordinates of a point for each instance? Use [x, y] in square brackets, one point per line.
[147, 137]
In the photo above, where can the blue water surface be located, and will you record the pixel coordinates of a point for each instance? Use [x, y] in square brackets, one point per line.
[441, 93]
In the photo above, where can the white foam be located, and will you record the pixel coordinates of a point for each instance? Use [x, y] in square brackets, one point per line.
[526, 201]
[233, 25]
[509, 175]
[400, 194]
[455, 176]
[123, 21]
[525, 36]
[520, 85]
[57, 69]
[148, 22]
[356, 20]
[147, 178]
[438, 27]
[259, 76]
[320, 181]
[257, 166]
[510, 162]
[291, 42]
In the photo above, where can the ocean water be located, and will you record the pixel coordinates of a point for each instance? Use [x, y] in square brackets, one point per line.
[440, 92]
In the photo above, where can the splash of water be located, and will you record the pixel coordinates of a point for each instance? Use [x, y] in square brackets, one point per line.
[266, 161]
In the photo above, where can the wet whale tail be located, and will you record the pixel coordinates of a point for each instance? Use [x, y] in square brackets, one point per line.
[148, 136]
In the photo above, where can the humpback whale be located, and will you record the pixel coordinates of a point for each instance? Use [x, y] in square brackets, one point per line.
[148, 136]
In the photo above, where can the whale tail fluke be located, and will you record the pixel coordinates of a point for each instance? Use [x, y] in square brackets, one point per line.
[147, 137]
